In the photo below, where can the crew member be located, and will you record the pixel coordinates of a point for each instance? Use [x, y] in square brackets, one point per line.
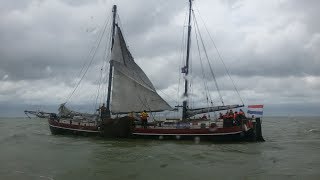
[242, 114]
[131, 115]
[103, 112]
[204, 116]
[226, 115]
[235, 115]
[144, 118]
[230, 114]
[236, 118]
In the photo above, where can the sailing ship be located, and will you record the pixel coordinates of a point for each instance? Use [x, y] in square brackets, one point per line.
[130, 91]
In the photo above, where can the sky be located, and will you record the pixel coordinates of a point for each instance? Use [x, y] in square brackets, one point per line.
[271, 49]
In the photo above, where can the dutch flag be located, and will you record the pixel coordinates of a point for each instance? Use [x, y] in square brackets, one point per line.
[256, 110]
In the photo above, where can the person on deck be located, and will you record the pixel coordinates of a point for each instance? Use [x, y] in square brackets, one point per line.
[228, 119]
[237, 118]
[235, 115]
[103, 112]
[226, 115]
[242, 114]
[204, 116]
[230, 114]
[131, 115]
[144, 118]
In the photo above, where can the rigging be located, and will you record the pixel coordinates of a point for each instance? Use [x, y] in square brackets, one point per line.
[220, 57]
[94, 50]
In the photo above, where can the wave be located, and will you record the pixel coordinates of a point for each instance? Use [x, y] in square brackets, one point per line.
[314, 130]
[14, 137]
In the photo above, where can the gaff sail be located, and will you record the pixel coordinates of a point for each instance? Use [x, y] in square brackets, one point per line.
[132, 91]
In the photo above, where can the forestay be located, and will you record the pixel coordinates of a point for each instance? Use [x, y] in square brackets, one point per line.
[132, 90]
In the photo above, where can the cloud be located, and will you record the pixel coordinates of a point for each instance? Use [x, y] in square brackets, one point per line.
[271, 49]
[5, 77]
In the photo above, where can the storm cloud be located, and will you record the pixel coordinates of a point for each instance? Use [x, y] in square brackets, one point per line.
[271, 49]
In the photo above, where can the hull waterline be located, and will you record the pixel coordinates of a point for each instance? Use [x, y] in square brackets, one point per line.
[121, 129]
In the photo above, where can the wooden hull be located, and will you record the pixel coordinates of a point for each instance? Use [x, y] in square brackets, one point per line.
[212, 134]
[119, 128]
[57, 127]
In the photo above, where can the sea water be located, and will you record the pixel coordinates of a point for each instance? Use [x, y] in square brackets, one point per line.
[29, 151]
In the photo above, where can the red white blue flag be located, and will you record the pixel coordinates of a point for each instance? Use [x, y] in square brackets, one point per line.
[256, 110]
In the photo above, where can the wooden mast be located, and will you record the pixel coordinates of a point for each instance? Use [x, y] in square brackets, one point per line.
[185, 69]
[114, 10]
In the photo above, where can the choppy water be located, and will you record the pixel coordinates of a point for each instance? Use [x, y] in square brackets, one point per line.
[29, 151]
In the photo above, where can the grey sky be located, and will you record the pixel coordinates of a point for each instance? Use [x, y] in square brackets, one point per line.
[271, 48]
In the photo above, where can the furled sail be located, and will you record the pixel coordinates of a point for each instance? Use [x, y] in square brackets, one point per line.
[66, 112]
[131, 90]
[192, 112]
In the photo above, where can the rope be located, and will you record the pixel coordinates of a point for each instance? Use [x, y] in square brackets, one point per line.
[175, 100]
[220, 57]
[205, 51]
[148, 107]
[90, 63]
[104, 72]
[182, 53]
[102, 78]
[98, 91]
[106, 68]
[203, 74]
[190, 98]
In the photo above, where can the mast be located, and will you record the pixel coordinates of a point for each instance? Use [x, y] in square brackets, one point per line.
[185, 69]
[114, 10]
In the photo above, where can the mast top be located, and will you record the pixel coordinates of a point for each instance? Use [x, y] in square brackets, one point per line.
[114, 8]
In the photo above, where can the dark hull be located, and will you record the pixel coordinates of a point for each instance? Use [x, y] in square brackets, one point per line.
[228, 137]
[57, 128]
[122, 128]
[225, 134]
